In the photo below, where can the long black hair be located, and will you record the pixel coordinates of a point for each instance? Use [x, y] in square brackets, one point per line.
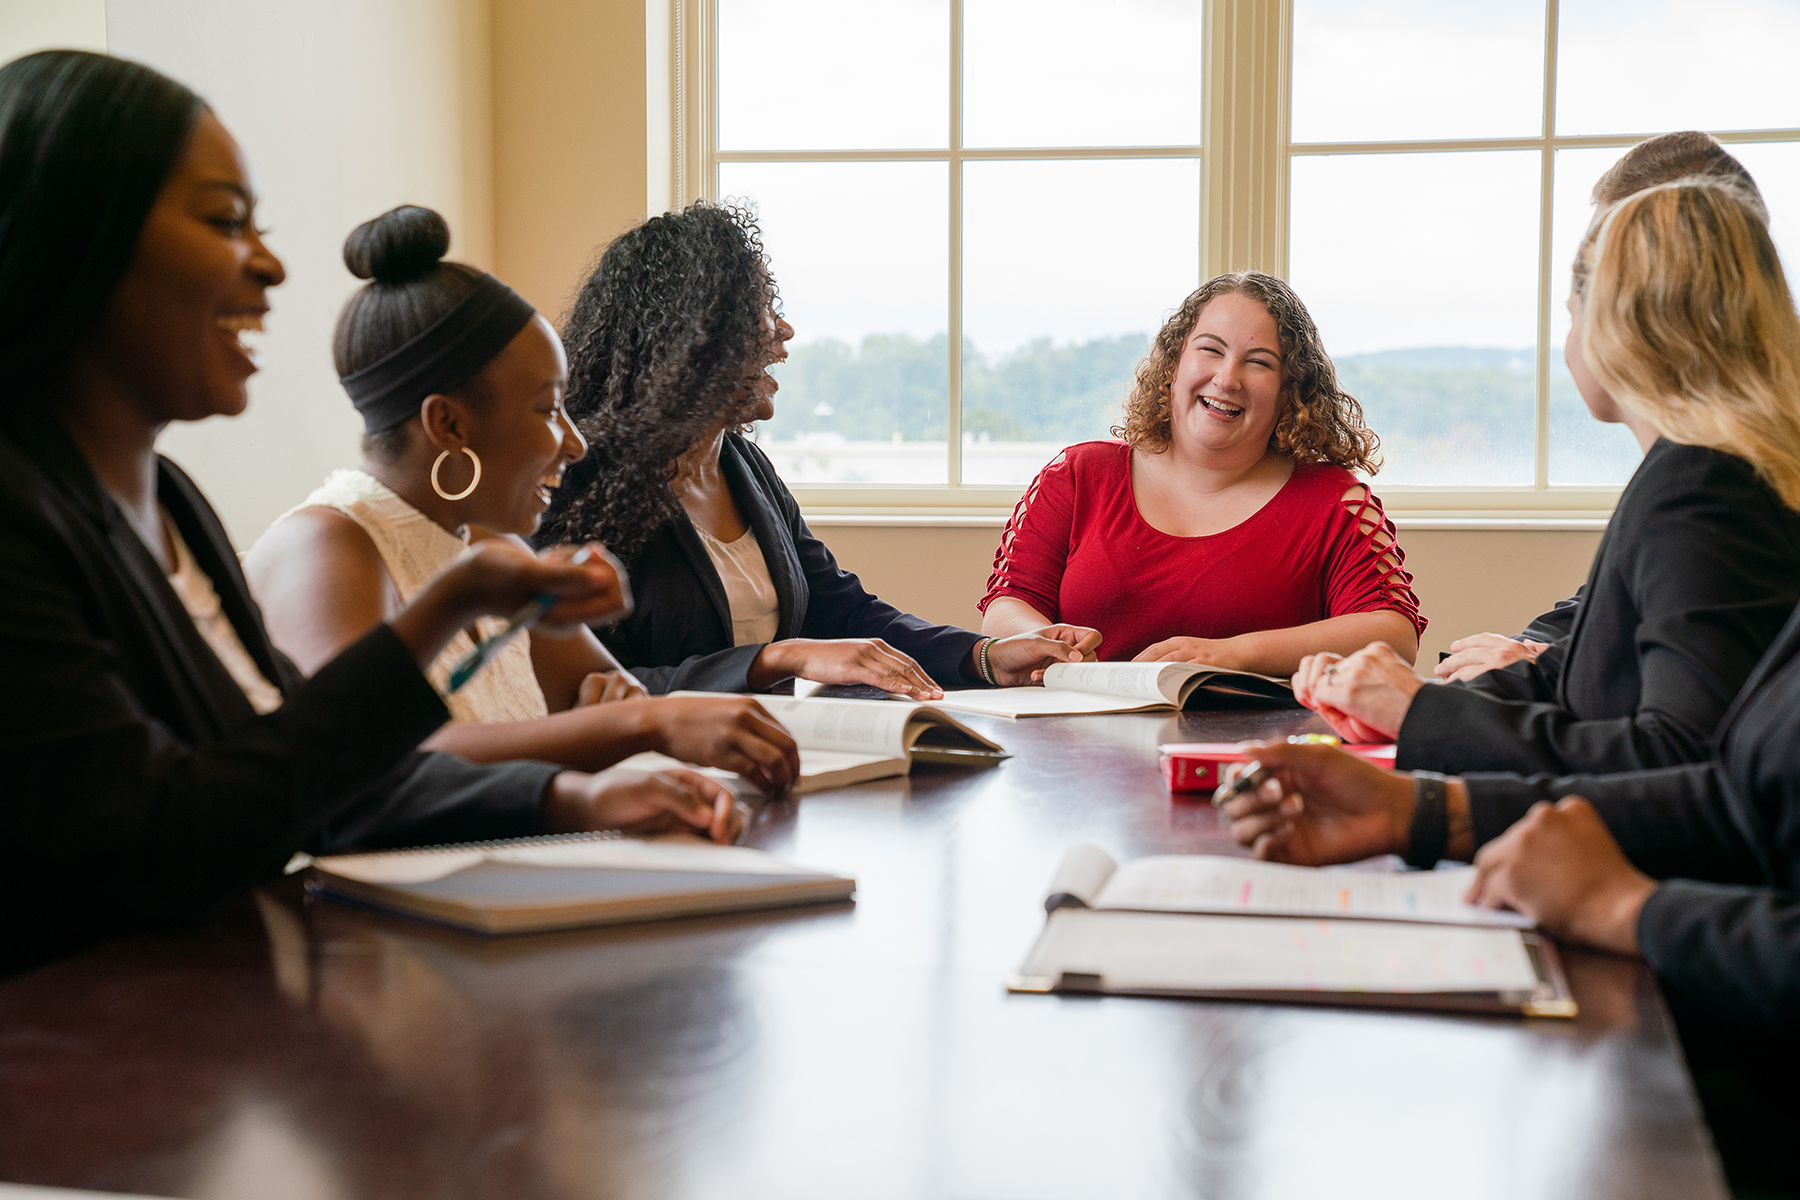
[664, 339]
[86, 143]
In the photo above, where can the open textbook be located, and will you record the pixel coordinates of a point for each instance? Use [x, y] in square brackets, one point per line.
[851, 741]
[1196, 925]
[528, 884]
[1114, 687]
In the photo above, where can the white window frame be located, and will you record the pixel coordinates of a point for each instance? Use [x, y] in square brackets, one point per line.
[1244, 216]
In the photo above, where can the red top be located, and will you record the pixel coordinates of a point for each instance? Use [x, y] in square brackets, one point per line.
[1078, 551]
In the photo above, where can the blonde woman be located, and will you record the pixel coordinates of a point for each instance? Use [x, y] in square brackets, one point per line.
[1684, 332]
[1226, 526]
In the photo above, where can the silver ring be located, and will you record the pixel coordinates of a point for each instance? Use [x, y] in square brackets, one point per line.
[1331, 673]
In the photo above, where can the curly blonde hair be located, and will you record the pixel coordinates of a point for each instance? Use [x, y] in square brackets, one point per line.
[1319, 423]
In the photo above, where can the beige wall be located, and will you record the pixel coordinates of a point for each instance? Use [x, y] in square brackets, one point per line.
[344, 108]
[570, 152]
[1468, 580]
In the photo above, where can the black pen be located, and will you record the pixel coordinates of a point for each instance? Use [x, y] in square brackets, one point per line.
[1254, 776]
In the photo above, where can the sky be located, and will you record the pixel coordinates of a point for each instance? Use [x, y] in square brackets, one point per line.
[1388, 252]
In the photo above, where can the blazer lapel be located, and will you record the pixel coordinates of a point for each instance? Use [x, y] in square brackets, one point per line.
[688, 538]
[772, 534]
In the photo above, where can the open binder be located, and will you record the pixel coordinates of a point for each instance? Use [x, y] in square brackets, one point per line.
[1232, 929]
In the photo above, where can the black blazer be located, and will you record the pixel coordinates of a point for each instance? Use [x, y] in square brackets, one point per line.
[678, 635]
[1697, 571]
[1723, 930]
[142, 789]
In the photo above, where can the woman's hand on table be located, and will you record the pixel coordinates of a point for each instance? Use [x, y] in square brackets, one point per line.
[1211, 652]
[1480, 653]
[1363, 697]
[609, 687]
[1022, 658]
[1321, 806]
[869, 661]
[1560, 866]
[732, 732]
[642, 802]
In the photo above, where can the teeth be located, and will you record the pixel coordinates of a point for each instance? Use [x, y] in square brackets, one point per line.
[1219, 407]
[241, 323]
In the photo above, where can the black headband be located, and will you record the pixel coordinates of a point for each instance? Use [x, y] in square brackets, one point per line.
[439, 358]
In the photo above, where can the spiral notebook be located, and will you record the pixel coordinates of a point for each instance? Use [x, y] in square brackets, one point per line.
[528, 884]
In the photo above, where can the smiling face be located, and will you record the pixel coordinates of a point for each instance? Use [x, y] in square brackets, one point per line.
[197, 281]
[1227, 390]
[512, 416]
[760, 405]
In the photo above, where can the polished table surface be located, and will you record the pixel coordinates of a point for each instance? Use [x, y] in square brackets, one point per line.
[309, 1049]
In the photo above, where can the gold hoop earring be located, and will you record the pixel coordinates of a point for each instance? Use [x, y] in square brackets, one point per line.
[439, 488]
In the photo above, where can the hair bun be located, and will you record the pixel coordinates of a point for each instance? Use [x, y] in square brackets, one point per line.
[398, 247]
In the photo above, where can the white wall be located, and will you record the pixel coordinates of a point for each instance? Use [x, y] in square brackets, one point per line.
[28, 25]
[344, 109]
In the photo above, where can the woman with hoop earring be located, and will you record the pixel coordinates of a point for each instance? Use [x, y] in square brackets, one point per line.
[460, 386]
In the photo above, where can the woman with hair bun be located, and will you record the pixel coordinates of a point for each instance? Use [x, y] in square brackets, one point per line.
[1226, 527]
[161, 754]
[460, 386]
[670, 343]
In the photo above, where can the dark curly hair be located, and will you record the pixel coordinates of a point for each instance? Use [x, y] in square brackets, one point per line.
[664, 340]
[1319, 421]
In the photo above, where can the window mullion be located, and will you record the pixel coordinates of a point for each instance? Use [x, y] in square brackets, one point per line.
[1546, 212]
[1244, 188]
[953, 312]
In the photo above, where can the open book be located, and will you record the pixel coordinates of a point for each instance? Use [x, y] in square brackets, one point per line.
[1196, 925]
[1113, 687]
[851, 741]
[528, 884]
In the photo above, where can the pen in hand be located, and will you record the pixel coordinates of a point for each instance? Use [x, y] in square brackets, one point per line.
[475, 659]
[1254, 776]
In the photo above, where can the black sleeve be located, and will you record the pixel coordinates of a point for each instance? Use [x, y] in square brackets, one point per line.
[1730, 952]
[1554, 625]
[724, 671]
[839, 607]
[1671, 822]
[110, 819]
[1713, 568]
[433, 798]
[1529, 680]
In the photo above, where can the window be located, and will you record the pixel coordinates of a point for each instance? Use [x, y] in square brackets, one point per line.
[979, 211]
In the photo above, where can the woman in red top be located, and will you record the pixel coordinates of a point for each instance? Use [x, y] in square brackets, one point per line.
[1226, 528]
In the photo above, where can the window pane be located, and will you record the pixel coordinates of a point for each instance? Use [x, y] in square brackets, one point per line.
[827, 75]
[1073, 73]
[1376, 70]
[1776, 168]
[1070, 269]
[1421, 271]
[1625, 66]
[1582, 450]
[860, 251]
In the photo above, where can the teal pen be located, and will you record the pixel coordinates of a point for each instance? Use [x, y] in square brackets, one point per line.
[475, 659]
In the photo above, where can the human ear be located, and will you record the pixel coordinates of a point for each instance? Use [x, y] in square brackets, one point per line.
[445, 422]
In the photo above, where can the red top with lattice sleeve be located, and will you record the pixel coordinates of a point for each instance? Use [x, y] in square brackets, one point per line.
[1077, 550]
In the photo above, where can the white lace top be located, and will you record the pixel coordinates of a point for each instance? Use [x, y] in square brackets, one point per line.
[755, 608]
[414, 548]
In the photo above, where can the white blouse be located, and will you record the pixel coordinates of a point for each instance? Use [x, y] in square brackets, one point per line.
[414, 548]
[201, 600]
[755, 608]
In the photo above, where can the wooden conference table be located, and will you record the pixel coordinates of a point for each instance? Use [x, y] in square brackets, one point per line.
[315, 1050]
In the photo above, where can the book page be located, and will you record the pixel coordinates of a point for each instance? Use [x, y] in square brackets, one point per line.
[1162, 952]
[814, 764]
[1042, 702]
[1140, 681]
[856, 726]
[1203, 883]
[1082, 875]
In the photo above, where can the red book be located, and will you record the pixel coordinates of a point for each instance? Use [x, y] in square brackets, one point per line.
[1204, 766]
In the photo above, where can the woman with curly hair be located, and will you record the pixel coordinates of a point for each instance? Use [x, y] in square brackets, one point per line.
[1226, 527]
[669, 345]
[1683, 332]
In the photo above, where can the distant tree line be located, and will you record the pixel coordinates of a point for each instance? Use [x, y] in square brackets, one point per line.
[1446, 414]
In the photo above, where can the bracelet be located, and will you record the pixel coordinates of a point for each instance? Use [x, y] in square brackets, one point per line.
[1430, 832]
[981, 662]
